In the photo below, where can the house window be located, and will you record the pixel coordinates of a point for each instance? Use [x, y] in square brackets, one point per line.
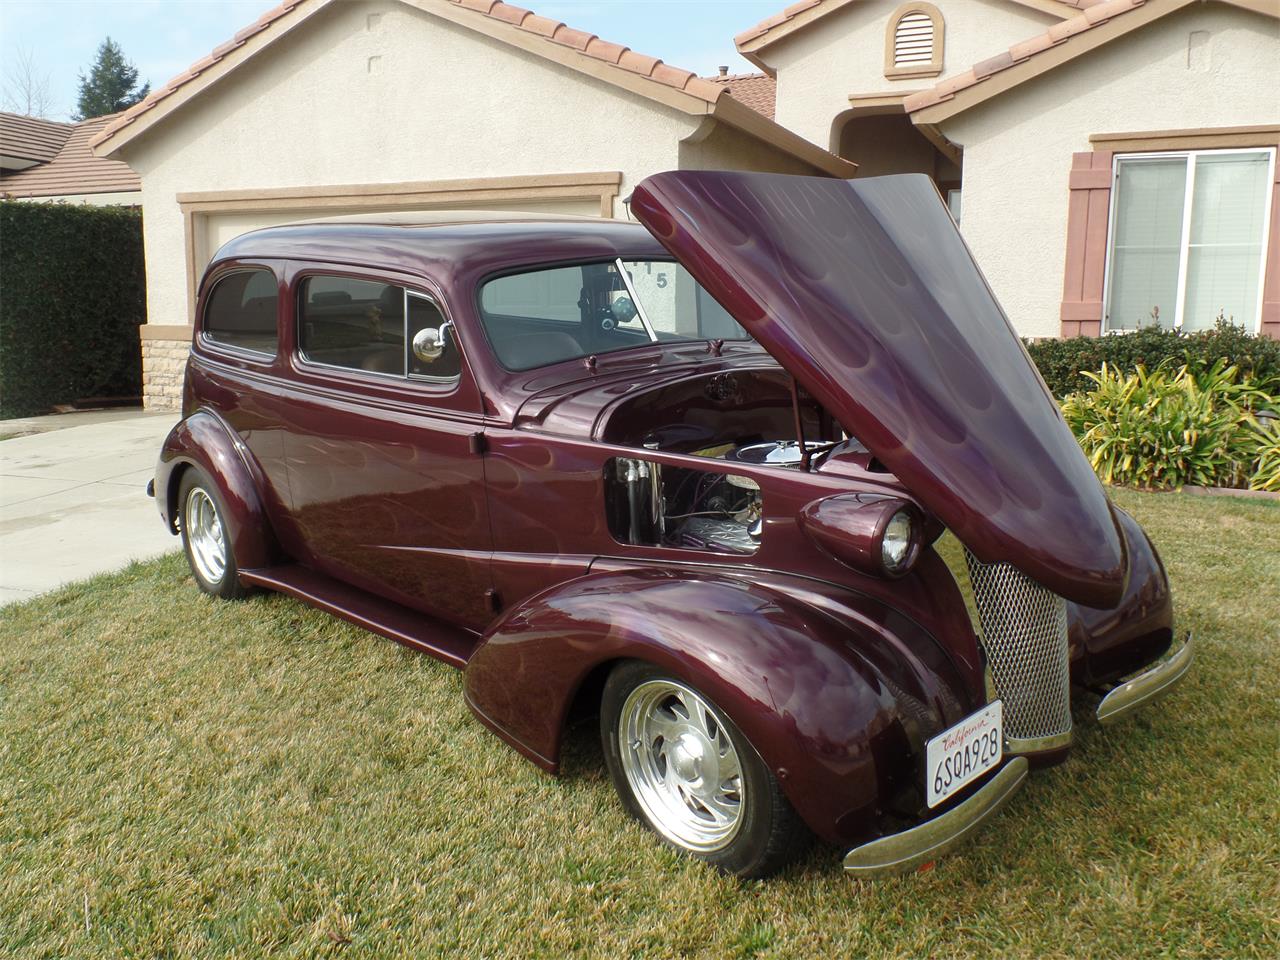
[1188, 238]
[913, 42]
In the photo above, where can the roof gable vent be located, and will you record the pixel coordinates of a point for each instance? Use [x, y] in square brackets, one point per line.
[913, 42]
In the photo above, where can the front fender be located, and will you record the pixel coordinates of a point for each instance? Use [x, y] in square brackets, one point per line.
[1138, 630]
[837, 706]
[204, 441]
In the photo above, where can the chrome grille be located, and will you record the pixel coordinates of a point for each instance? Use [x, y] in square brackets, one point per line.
[1023, 630]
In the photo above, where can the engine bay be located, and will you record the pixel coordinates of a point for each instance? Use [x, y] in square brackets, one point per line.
[751, 417]
[655, 505]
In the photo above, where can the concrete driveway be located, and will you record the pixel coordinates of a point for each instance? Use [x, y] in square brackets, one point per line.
[73, 500]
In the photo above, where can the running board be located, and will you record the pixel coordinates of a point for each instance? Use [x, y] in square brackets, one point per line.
[391, 620]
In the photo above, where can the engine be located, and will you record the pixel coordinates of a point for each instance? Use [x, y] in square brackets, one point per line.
[702, 510]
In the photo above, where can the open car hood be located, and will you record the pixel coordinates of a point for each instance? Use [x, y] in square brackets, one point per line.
[864, 291]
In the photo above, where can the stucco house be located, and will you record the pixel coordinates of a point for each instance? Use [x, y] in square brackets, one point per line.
[50, 161]
[1110, 161]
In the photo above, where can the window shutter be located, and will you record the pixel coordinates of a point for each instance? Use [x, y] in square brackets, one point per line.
[1271, 281]
[1088, 206]
[913, 40]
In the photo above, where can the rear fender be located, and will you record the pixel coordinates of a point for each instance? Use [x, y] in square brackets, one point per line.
[828, 699]
[204, 441]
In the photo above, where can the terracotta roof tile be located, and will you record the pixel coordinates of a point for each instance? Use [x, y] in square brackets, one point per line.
[640, 63]
[671, 76]
[604, 50]
[1096, 12]
[578, 39]
[244, 33]
[74, 169]
[993, 65]
[204, 63]
[543, 26]
[1029, 48]
[784, 17]
[31, 138]
[755, 90]
[511, 14]
[704, 89]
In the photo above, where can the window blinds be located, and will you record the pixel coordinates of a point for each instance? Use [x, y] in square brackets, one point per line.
[1186, 267]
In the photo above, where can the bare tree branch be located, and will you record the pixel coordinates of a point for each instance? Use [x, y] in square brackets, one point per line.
[26, 90]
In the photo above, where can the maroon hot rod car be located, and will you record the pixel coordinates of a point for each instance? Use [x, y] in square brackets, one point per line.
[766, 481]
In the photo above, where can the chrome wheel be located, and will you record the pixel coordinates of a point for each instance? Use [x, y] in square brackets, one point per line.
[203, 528]
[681, 765]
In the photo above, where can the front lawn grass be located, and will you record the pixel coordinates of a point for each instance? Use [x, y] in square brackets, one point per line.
[181, 777]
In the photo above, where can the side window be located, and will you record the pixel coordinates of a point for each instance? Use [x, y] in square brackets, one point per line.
[241, 312]
[357, 324]
[539, 295]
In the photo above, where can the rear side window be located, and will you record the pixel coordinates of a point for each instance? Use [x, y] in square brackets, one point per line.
[241, 312]
[362, 325]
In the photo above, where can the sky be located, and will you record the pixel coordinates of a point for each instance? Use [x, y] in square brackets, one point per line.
[163, 37]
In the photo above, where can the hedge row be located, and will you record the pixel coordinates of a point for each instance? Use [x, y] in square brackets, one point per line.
[72, 294]
[1062, 363]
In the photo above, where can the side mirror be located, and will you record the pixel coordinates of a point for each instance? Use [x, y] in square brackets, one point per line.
[429, 342]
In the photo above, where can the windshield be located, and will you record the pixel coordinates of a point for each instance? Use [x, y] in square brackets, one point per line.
[547, 316]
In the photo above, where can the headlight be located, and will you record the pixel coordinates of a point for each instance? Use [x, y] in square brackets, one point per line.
[897, 542]
[877, 534]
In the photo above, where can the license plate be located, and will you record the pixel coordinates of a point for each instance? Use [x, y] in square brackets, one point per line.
[959, 756]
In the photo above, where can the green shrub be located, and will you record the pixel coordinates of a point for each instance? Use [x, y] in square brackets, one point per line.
[72, 294]
[1265, 437]
[1064, 363]
[1151, 429]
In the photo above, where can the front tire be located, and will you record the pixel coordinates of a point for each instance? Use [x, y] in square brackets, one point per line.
[683, 768]
[206, 540]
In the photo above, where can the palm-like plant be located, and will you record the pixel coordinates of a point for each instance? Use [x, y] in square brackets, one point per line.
[1157, 429]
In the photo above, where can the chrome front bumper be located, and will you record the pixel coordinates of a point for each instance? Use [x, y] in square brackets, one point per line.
[1148, 686]
[907, 850]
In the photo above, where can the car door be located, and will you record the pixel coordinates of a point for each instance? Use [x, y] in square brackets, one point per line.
[384, 461]
[235, 369]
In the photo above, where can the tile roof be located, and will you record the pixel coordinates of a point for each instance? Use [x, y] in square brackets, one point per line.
[519, 27]
[779, 18]
[553, 31]
[166, 90]
[1096, 13]
[73, 169]
[593, 46]
[31, 138]
[755, 90]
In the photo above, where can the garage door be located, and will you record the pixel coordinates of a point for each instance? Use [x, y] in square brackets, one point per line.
[221, 227]
[213, 218]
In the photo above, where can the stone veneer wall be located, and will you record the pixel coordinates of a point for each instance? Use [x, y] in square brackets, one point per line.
[164, 363]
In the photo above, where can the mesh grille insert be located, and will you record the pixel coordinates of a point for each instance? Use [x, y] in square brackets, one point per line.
[1024, 635]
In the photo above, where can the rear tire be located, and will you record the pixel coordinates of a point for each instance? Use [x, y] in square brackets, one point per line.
[685, 770]
[206, 540]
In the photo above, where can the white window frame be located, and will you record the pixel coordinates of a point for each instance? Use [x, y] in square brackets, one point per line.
[1184, 246]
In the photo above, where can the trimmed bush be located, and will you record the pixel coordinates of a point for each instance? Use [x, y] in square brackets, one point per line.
[1265, 436]
[72, 294]
[1063, 363]
[1157, 429]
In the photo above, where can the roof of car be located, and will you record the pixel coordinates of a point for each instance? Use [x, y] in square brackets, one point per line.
[433, 218]
[462, 238]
